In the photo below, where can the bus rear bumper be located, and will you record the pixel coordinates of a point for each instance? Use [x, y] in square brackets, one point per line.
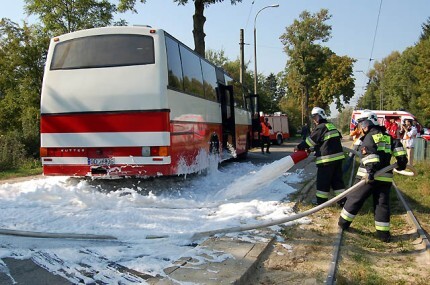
[120, 167]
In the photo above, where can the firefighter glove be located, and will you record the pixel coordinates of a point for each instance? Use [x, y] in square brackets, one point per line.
[370, 178]
[401, 163]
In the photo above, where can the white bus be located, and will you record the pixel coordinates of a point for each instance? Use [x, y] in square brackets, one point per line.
[134, 101]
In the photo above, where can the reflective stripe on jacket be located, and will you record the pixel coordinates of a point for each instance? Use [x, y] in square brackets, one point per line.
[326, 141]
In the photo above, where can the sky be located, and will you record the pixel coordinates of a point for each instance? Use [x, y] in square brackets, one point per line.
[356, 31]
[234, 195]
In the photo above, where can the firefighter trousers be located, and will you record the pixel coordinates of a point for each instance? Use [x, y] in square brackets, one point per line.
[265, 142]
[380, 191]
[329, 175]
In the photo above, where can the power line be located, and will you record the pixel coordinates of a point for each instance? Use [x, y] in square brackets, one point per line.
[374, 36]
[249, 15]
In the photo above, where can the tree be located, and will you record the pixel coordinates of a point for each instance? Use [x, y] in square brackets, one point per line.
[425, 34]
[288, 105]
[398, 85]
[23, 52]
[273, 93]
[65, 16]
[313, 69]
[400, 82]
[217, 57]
[198, 19]
[336, 82]
[421, 69]
[344, 120]
[300, 41]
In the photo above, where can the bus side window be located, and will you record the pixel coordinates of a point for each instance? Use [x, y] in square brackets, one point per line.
[174, 64]
[237, 91]
[209, 80]
[192, 70]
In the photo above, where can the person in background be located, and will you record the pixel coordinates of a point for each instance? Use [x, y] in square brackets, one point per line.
[377, 149]
[265, 135]
[305, 131]
[409, 139]
[393, 128]
[355, 134]
[325, 140]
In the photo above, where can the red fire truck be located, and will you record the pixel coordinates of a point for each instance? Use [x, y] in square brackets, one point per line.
[280, 130]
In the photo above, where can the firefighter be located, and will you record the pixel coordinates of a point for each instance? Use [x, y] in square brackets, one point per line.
[377, 148]
[325, 139]
[265, 135]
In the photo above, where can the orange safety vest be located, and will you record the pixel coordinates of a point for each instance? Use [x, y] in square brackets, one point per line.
[265, 131]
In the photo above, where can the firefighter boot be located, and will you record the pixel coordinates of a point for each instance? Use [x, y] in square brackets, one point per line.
[383, 236]
[344, 224]
[321, 200]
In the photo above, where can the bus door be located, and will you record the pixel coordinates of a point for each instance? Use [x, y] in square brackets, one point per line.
[227, 115]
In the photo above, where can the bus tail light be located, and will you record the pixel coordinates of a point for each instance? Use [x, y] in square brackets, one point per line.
[43, 152]
[155, 151]
[159, 151]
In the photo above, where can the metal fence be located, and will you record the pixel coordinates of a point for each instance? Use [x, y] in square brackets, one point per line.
[422, 150]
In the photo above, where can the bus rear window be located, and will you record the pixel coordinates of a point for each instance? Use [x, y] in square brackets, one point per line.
[103, 51]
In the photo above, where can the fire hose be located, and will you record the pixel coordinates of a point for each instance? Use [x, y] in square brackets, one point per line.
[55, 235]
[297, 216]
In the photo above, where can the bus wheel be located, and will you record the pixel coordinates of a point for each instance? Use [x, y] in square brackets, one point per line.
[214, 144]
[279, 139]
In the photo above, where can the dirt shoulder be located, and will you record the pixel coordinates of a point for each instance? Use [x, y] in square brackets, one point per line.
[305, 254]
[20, 179]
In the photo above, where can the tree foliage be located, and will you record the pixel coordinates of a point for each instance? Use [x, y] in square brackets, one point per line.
[425, 34]
[198, 19]
[274, 93]
[315, 75]
[23, 52]
[343, 120]
[401, 82]
[60, 17]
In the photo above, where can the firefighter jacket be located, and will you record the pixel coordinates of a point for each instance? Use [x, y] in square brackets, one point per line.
[326, 141]
[377, 149]
[265, 129]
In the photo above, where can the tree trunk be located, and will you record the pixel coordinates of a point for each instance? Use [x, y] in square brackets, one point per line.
[198, 32]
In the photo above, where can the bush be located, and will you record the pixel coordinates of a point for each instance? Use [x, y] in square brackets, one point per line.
[12, 151]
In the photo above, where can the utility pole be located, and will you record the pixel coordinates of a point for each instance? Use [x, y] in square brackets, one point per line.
[242, 56]
[242, 61]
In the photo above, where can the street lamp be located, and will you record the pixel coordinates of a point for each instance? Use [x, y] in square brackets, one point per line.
[255, 44]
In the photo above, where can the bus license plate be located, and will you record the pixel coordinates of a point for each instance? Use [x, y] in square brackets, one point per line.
[100, 161]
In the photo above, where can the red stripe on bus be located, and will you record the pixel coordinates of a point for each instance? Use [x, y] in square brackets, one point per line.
[105, 122]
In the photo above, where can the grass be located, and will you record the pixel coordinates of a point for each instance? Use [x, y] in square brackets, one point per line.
[416, 191]
[20, 172]
[363, 251]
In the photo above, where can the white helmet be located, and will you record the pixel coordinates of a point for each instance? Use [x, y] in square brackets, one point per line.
[369, 115]
[318, 111]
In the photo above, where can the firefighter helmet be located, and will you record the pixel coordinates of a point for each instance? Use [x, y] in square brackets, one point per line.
[370, 116]
[318, 111]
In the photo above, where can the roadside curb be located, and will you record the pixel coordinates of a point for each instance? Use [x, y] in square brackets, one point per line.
[236, 269]
[245, 256]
